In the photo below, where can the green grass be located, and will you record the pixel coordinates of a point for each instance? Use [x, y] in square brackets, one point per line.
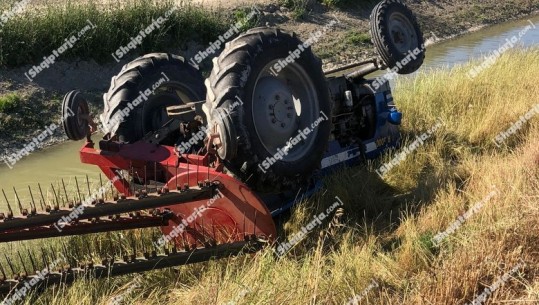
[37, 32]
[354, 37]
[9, 102]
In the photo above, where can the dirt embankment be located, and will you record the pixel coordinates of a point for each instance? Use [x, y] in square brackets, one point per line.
[347, 42]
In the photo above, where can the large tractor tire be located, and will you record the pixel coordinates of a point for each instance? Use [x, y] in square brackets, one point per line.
[397, 36]
[172, 82]
[258, 102]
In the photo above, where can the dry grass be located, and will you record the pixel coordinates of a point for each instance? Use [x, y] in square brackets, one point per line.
[389, 224]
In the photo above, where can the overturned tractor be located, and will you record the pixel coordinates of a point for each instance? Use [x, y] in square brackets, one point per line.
[235, 149]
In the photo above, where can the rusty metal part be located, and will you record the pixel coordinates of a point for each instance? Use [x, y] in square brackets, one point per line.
[87, 227]
[123, 206]
[132, 264]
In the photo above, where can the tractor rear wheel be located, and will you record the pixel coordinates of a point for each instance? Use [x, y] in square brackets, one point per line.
[268, 99]
[149, 84]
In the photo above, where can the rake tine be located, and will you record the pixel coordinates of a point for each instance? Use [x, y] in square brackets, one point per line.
[7, 201]
[44, 258]
[112, 191]
[88, 185]
[42, 197]
[55, 197]
[78, 190]
[32, 260]
[53, 253]
[22, 262]
[32, 197]
[10, 265]
[111, 247]
[3, 272]
[18, 200]
[64, 187]
[61, 197]
[67, 256]
[101, 187]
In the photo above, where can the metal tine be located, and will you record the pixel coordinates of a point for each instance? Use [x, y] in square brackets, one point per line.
[8, 205]
[88, 185]
[78, 189]
[133, 245]
[18, 200]
[70, 261]
[65, 191]
[112, 191]
[32, 260]
[45, 259]
[101, 187]
[53, 253]
[32, 197]
[61, 197]
[3, 272]
[55, 197]
[10, 265]
[22, 262]
[42, 197]
[111, 247]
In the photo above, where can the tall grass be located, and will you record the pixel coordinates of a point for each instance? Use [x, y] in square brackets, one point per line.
[386, 233]
[39, 30]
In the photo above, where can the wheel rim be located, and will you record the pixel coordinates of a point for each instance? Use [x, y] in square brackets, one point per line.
[284, 104]
[403, 34]
[82, 111]
[159, 115]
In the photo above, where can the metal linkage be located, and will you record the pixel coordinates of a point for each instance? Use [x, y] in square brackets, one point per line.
[132, 264]
[122, 206]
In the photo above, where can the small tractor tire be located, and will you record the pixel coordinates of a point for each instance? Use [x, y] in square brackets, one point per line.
[397, 36]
